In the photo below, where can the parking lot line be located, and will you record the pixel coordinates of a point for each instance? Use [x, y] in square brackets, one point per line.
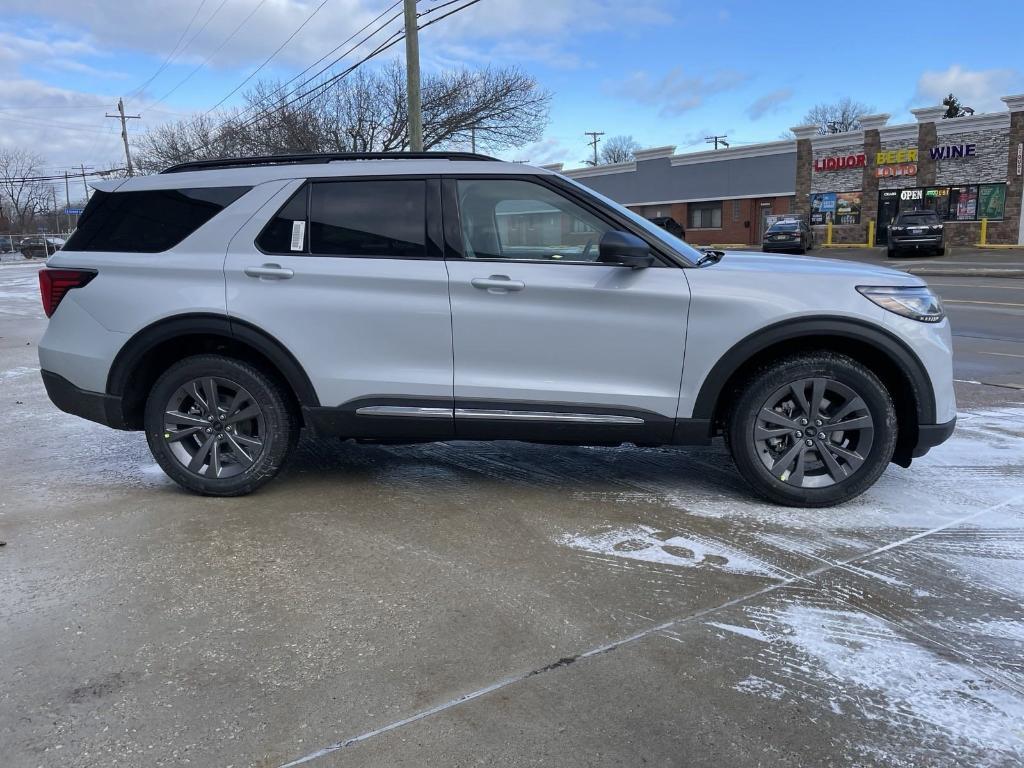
[659, 628]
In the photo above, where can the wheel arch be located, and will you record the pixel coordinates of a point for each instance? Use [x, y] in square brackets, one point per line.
[154, 348]
[887, 356]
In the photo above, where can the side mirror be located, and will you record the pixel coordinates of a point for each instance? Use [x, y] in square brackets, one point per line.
[624, 249]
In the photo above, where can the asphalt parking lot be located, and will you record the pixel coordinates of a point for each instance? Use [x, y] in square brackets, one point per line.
[459, 604]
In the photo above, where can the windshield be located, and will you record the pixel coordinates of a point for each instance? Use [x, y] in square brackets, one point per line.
[681, 247]
[784, 226]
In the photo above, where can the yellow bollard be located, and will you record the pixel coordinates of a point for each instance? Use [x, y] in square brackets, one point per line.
[871, 233]
[984, 232]
[828, 234]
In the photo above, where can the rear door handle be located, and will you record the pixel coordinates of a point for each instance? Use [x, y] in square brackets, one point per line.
[270, 272]
[497, 284]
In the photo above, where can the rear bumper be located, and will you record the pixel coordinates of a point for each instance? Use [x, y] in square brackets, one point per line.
[795, 245]
[916, 242]
[931, 435]
[95, 406]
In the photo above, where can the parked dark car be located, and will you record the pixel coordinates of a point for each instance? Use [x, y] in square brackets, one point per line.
[788, 236]
[918, 230]
[40, 247]
[670, 225]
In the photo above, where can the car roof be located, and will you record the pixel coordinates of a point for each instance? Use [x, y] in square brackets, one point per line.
[250, 176]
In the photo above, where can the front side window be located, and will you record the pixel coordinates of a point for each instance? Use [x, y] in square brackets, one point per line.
[383, 219]
[705, 215]
[513, 219]
[148, 221]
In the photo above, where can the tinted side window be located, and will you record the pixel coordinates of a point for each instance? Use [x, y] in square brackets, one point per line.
[368, 218]
[286, 232]
[149, 221]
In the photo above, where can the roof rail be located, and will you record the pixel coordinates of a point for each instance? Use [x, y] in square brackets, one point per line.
[330, 157]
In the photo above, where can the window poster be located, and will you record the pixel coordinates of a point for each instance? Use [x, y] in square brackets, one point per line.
[823, 207]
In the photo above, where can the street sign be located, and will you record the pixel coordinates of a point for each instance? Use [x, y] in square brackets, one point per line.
[72, 211]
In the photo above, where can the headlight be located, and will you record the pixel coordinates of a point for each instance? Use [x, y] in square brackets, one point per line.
[916, 302]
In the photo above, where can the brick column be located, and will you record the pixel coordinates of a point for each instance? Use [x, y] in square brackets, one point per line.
[804, 161]
[869, 185]
[1010, 228]
[927, 139]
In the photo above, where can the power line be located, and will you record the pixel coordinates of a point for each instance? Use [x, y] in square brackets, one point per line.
[396, 37]
[345, 42]
[716, 140]
[171, 55]
[217, 50]
[271, 56]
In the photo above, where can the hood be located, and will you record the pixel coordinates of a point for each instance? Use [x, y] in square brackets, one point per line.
[755, 261]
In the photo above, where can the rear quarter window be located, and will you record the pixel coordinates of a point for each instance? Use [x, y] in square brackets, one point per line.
[147, 221]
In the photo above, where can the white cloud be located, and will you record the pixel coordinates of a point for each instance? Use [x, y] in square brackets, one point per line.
[769, 103]
[979, 89]
[676, 91]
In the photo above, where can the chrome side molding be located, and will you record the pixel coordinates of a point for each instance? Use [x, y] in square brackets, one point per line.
[577, 418]
[404, 410]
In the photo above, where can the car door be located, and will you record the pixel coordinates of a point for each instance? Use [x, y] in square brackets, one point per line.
[348, 274]
[550, 343]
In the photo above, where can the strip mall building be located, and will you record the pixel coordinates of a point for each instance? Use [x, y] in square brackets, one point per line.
[967, 169]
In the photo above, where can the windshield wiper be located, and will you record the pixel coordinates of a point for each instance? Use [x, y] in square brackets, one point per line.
[710, 257]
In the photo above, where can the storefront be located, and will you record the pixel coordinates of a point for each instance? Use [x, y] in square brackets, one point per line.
[968, 170]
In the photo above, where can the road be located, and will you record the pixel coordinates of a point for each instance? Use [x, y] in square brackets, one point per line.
[459, 604]
[987, 316]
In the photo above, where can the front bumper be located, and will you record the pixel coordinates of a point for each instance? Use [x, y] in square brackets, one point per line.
[95, 406]
[931, 435]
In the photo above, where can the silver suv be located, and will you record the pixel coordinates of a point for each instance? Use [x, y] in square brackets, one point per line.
[223, 306]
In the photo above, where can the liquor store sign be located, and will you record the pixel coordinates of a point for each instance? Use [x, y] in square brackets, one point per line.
[840, 163]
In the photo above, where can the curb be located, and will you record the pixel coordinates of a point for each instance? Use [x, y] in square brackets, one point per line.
[953, 272]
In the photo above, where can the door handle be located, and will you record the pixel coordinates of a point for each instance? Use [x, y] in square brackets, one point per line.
[497, 284]
[270, 272]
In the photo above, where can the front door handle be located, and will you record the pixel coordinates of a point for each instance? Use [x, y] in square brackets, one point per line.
[270, 272]
[497, 284]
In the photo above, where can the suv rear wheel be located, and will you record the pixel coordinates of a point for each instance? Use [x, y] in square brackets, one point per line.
[219, 426]
[812, 430]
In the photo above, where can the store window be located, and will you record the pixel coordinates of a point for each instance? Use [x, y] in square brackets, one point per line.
[963, 204]
[969, 202]
[991, 201]
[705, 215]
[737, 211]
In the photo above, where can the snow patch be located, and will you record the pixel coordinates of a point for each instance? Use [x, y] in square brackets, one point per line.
[751, 632]
[649, 545]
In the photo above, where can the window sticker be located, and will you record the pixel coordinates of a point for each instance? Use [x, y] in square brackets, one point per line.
[298, 235]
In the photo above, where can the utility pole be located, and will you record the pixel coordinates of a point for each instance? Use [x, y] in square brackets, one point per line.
[716, 140]
[124, 130]
[412, 77]
[594, 138]
[85, 186]
[472, 139]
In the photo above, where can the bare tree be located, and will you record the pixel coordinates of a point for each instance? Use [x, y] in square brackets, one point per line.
[21, 191]
[839, 117]
[364, 112]
[619, 149]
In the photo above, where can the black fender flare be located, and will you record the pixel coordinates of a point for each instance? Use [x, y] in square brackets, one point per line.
[886, 342]
[213, 325]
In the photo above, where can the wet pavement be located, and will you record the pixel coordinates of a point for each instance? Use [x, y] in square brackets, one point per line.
[500, 604]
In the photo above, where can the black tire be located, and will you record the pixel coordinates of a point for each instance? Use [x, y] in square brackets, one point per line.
[890, 253]
[830, 481]
[940, 251]
[245, 447]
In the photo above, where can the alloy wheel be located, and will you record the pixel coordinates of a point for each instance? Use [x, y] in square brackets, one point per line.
[214, 427]
[813, 433]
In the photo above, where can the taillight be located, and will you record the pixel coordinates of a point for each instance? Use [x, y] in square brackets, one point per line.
[55, 283]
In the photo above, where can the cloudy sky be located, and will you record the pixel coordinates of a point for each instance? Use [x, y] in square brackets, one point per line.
[667, 72]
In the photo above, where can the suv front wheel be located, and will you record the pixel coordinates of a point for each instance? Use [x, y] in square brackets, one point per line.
[812, 430]
[219, 426]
